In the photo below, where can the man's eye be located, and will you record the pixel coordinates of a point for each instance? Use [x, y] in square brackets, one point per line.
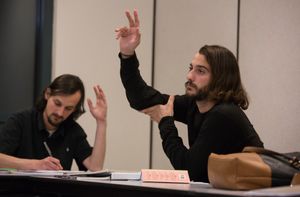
[69, 108]
[57, 103]
[202, 71]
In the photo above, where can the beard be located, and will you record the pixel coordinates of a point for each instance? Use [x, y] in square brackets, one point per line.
[200, 94]
[55, 120]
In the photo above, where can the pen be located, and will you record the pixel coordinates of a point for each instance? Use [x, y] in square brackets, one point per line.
[48, 149]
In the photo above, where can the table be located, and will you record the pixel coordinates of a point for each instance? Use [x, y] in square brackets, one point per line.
[50, 186]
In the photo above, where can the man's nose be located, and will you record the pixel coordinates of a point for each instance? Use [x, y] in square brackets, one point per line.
[60, 111]
[190, 76]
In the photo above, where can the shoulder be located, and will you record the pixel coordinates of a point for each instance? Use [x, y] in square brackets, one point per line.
[226, 109]
[20, 121]
[227, 112]
[71, 126]
[24, 115]
[231, 115]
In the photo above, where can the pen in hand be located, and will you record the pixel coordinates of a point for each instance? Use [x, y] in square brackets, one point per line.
[51, 162]
[48, 149]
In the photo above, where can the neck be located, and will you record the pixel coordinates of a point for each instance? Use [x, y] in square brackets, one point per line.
[205, 106]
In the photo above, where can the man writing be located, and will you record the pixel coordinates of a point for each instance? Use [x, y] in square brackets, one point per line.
[48, 137]
[211, 108]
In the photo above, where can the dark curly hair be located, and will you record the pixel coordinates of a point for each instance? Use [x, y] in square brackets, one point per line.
[66, 84]
[225, 85]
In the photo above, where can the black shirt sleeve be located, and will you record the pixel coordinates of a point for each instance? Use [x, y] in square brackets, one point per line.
[10, 135]
[83, 148]
[139, 94]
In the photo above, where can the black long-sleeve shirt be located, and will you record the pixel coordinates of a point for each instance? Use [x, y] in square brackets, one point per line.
[223, 129]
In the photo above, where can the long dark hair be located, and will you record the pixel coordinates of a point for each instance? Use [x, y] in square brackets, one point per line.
[226, 84]
[66, 84]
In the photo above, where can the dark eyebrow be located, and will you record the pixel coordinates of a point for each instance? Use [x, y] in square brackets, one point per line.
[199, 66]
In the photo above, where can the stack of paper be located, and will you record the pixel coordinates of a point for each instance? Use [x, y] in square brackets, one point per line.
[56, 173]
[115, 175]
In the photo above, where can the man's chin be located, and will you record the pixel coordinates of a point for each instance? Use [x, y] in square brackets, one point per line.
[55, 123]
[190, 93]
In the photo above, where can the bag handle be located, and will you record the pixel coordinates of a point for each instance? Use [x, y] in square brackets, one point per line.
[293, 161]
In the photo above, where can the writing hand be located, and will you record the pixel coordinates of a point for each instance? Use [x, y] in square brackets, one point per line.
[48, 163]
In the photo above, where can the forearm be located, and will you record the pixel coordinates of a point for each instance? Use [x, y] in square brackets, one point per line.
[139, 94]
[194, 159]
[96, 160]
[7, 161]
[172, 143]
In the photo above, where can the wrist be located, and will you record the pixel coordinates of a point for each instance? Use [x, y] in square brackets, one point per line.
[126, 55]
[101, 122]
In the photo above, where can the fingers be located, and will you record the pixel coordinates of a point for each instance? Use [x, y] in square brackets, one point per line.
[53, 163]
[100, 96]
[90, 104]
[136, 18]
[149, 110]
[99, 93]
[133, 22]
[130, 19]
[121, 32]
[171, 100]
[170, 105]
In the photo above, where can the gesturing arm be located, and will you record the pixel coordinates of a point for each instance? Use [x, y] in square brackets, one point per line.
[99, 111]
[138, 93]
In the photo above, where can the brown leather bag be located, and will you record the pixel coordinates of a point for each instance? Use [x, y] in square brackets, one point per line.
[253, 168]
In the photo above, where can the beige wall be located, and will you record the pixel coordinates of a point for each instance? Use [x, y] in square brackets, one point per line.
[270, 66]
[182, 27]
[84, 44]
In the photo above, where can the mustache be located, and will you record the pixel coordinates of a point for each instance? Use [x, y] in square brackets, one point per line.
[57, 116]
[191, 84]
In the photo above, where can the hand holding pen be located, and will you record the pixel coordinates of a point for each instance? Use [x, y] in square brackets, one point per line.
[48, 163]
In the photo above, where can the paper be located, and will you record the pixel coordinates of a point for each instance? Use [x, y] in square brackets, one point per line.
[41, 172]
[118, 175]
[58, 173]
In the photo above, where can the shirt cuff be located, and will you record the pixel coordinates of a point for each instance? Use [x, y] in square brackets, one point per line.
[167, 127]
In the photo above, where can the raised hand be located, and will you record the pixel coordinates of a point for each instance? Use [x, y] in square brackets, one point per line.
[99, 111]
[157, 112]
[129, 37]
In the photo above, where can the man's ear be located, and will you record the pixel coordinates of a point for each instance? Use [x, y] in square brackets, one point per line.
[47, 93]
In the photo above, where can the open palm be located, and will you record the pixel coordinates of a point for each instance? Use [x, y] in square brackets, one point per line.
[99, 110]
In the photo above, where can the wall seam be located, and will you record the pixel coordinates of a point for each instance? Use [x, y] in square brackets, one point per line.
[238, 30]
[152, 81]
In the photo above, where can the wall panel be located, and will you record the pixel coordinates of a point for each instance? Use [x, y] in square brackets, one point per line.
[269, 60]
[85, 45]
[182, 27]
